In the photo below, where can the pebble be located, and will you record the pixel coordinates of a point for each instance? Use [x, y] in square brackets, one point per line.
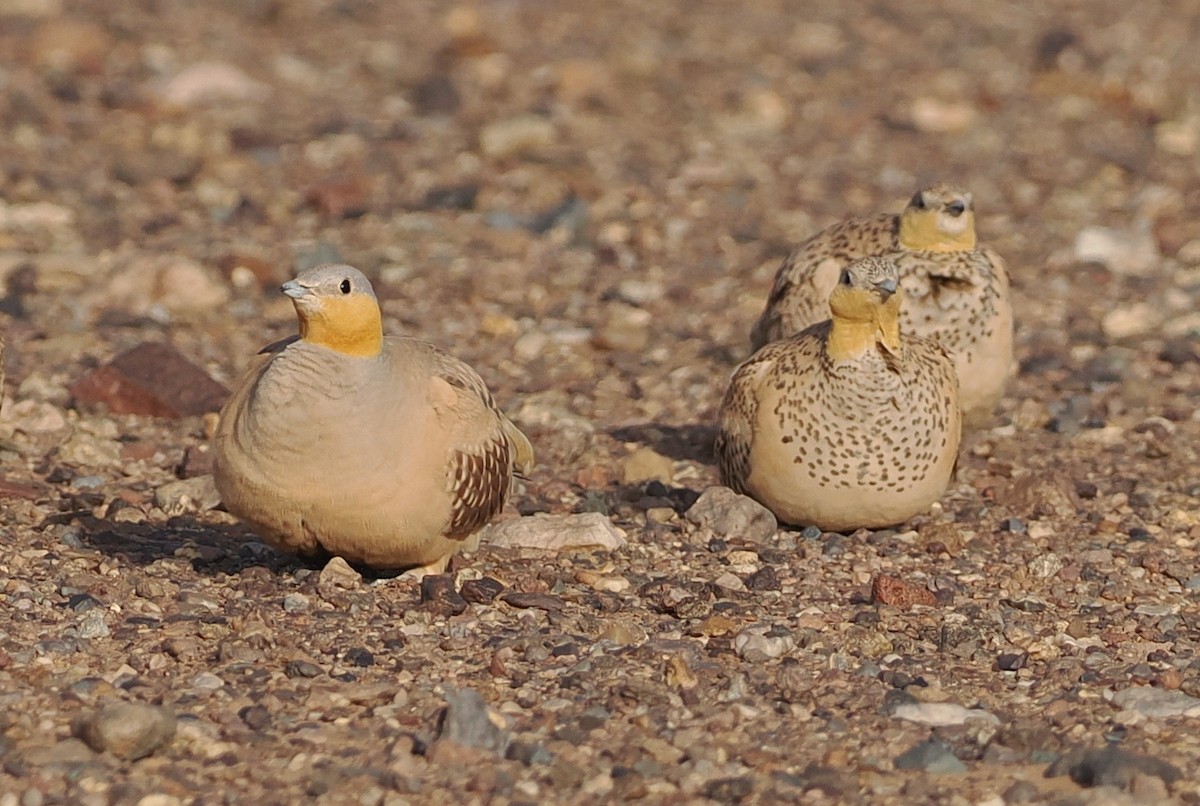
[520, 135]
[941, 714]
[35, 417]
[481, 591]
[127, 730]
[93, 625]
[467, 720]
[295, 603]
[1124, 251]
[152, 378]
[646, 464]
[68, 45]
[1022, 792]
[931, 114]
[144, 285]
[625, 328]
[67, 753]
[555, 532]
[1135, 319]
[1156, 702]
[337, 573]
[730, 515]
[759, 644]
[208, 83]
[1111, 766]
[438, 594]
[931, 755]
[893, 591]
[197, 494]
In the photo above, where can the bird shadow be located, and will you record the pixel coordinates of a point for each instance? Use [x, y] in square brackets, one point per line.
[692, 442]
[211, 548]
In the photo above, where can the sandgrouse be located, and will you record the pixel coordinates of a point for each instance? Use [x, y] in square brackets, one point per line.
[850, 423]
[955, 290]
[385, 451]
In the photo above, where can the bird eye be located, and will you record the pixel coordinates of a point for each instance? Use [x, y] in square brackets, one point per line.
[955, 208]
[918, 201]
[345, 286]
[844, 278]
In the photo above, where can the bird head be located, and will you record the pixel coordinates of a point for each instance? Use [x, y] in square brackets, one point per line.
[939, 218]
[337, 309]
[865, 307]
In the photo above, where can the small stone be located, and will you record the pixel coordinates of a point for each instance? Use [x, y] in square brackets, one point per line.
[759, 644]
[467, 720]
[94, 625]
[645, 464]
[1011, 661]
[730, 515]
[931, 755]
[889, 590]
[520, 135]
[295, 603]
[555, 532]
[256, 717]
[67, 753]
[729, 790]
[1111, 766]
[127, 730]
[931, 114]
[941, 714]
[536, 601]
[197, 461]
[1022, 792]
[1127, 321]
[621, 634]
[67, 45]
[198, 494]
[1129, 252]
[438, 594]
[159, 285]
[1157, 703]
[626, 328]
[152, 378]
[764, 579]
[359, 656]
[451, 197]
[208, 83]
[300, 668]
[207, 681]
[482, 590]
[337, 573]
[339, 197]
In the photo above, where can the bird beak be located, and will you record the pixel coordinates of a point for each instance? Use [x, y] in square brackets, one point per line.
[294, 290]
[886, 287]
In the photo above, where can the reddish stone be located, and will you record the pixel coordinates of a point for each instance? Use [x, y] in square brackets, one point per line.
[898, 593]
[269, 275]
[152, 378]
[197, 461]
[18, 489]
[338, 197]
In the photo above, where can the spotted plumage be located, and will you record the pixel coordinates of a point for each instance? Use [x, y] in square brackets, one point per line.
[955, 290]
[848, 424]
[386, 451]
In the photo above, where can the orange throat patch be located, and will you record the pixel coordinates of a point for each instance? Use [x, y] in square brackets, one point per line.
[919, 232]
[351, 325]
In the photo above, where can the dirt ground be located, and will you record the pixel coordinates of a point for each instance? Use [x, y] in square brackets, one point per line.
[587, 202]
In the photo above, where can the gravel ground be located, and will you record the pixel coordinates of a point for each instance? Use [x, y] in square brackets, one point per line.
[588, 204]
